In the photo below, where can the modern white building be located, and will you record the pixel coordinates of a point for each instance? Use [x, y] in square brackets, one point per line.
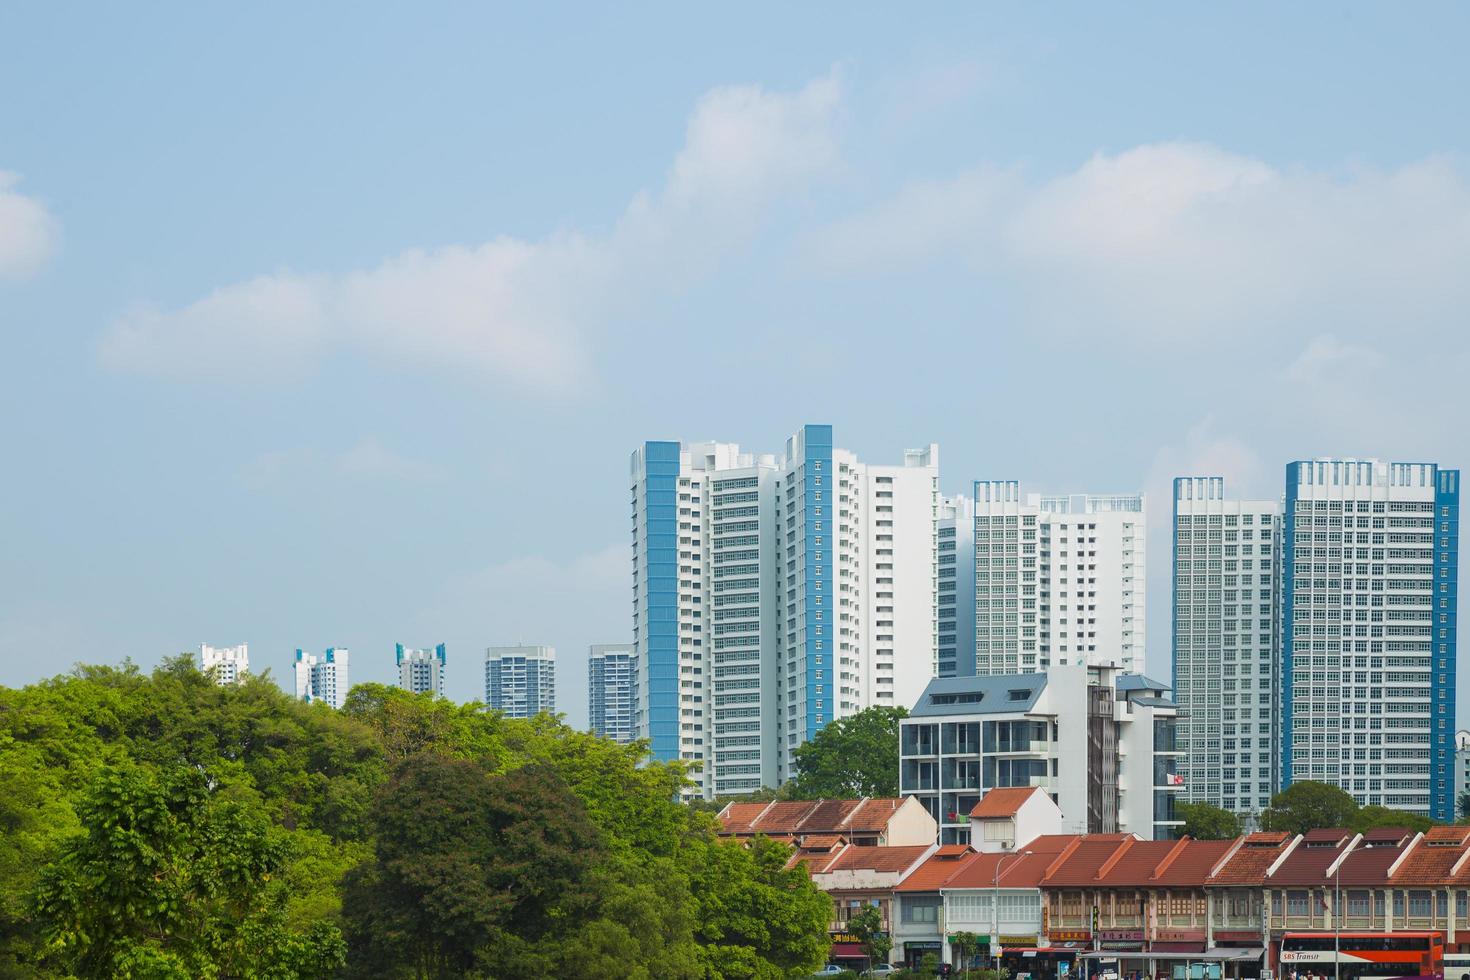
[229, 664]
[773, 594]
[1226, 650]
[1099, 742]
[1058, 579]
[956, 613]
[421, 671]
[610, 691]
[323, 678]
[1369, 587]
[520, 681]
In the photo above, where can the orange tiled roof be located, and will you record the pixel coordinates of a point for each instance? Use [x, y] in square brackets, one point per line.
[1080, 867]
[873, 814]
[878, 858]
[1193, 863]
[736, 818]
[1017, 869]
[820, 842]
[816, 862]
[1431, 860]
[1248, 865]
[1003, 802]
[934, 873]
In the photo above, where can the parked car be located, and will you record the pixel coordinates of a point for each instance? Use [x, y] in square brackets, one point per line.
[881, 970]
[830, 970]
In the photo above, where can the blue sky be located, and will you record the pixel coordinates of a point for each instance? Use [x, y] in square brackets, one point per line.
[336, 326]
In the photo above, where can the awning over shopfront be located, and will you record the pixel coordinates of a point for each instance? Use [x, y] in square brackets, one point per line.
[848, 950]
[1219, 954]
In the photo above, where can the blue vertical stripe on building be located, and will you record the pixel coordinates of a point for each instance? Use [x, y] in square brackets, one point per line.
[661, 534]
[1288, 587]
[1446, 578]
[818, 486]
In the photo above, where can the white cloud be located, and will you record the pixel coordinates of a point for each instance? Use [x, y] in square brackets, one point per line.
[925, 219]
[1174, 240]
[523, 312]
[29, 234]
[1327, 359]
[1203, 451]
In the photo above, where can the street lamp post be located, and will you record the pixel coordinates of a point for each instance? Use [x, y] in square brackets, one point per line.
[995, 911]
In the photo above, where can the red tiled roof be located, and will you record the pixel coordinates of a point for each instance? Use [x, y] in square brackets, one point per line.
[1194, 862]
[873, 814]
[816, 862]
[736, 818]
[784, 817]
[1368, 864]
[1018, 869]
[1248, 865]
[1080, 867]
[820, 842]
[1309, 862]
[1431, 860]
[878, 858]
[936, 872]
[808, 817]
[1003, 802]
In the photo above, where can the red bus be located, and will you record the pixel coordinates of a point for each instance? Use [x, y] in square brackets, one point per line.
[1362, 955]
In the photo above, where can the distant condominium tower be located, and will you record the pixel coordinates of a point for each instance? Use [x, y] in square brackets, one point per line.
[230, 664]
[421, 671]
[520, 681]
[1226, 652]
[956, 587]
[1370, 569]
[773, 594]
[322, 678]
[610, 691]
[1059, 579]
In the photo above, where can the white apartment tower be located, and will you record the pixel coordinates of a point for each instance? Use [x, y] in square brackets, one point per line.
[956, 611]
[323, 678]
[421, 671]
[230, 664]
[1058, 579]
[520, 681]
[1226, 651]
[1370, 558]
[771, 595]
[610, 691]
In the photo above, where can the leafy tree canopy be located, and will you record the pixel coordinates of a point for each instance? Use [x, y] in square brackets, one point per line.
[1308, 805]
[1205, 822]
[850, 757]
[161, 825]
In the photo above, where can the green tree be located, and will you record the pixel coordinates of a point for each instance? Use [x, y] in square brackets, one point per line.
[1309, 805]
[1205, 822]
[467, 866]
[755, 918]
[967, 947]
[850, 757]
[1370, 817]
[867, 926]
[172, 879]
[1462, 806]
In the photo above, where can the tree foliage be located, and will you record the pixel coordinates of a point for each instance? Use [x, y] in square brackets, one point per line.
[164, 826]
[850, 757]
[1205, 822]
[1308, 805]
[1369, 817]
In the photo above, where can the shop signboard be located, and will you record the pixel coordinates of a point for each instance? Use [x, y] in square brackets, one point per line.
[1069, 935]
[1120, 935]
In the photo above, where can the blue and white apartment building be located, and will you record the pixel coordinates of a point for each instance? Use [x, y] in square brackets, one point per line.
[1314, 636]
[772, 594]
[520, 681]
[1369, 585]
[610, 669]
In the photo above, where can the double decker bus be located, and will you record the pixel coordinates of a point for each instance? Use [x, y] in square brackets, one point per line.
[1363, 955]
